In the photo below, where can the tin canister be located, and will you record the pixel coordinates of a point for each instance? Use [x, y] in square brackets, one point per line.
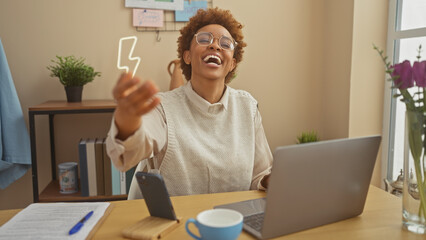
[68, 177]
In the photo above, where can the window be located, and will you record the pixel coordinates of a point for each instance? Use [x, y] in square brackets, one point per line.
[406, 31]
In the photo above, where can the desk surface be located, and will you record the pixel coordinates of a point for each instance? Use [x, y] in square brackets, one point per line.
[381, 218]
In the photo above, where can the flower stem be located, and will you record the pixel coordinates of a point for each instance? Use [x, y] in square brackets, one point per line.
[415, 121]
[420, 186]
[408, 100]
[424, 100]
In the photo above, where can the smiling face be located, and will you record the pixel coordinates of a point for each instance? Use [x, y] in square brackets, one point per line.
[210, 62]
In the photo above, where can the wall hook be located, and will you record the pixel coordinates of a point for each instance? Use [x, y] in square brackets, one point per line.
[158, 36]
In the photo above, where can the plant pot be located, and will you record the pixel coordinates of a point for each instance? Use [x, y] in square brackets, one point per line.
[74, 93]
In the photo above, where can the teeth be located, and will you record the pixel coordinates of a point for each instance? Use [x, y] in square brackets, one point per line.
[207, 58]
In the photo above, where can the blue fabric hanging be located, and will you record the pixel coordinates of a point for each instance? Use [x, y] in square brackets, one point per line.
[15, 151]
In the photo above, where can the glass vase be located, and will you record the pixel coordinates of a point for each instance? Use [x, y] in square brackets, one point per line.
[414, 190]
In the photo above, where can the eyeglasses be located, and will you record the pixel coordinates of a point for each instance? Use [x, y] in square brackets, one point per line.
[206, 39]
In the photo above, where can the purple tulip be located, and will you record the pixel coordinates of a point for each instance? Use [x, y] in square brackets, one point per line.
[419, 73]
[404, 75]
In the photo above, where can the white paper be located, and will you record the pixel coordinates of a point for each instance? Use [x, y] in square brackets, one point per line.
[52, 221]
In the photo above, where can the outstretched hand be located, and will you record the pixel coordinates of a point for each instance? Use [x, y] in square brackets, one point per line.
[133, 101]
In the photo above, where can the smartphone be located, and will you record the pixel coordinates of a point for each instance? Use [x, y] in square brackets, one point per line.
[156, 196]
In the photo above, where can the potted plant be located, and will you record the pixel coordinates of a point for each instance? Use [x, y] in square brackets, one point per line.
[307, 137]
[73, 73]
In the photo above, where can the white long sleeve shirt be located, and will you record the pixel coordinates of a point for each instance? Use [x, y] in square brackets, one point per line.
[198, 147]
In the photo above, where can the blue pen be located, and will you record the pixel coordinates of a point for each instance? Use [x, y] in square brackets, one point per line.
[80, 224]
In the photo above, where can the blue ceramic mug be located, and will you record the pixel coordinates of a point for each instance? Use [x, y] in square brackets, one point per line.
[224, 224]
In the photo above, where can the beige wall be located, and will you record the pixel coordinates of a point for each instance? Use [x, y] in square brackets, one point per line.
[336, 63]
[353, 76]
[305, 63]
[367, 75]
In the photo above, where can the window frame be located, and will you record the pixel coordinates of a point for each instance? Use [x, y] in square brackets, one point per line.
[389, 105]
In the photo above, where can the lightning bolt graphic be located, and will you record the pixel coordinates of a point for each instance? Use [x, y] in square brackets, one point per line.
[130, 54]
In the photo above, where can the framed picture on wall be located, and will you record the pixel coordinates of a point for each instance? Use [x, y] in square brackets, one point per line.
[155, 4]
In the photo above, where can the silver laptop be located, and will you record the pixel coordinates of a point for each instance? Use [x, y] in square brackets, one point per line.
[312, 184]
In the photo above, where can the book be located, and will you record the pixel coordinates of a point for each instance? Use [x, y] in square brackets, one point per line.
[126, 180]
[107, 170]
[129, 177]
[100, 183]
[91, 167]
[82, 155]
[54, 221]
[115, 180]
[112, 176]
[100, 176]
[122, 182]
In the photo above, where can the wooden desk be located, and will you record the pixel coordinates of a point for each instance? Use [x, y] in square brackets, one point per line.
[381, 218]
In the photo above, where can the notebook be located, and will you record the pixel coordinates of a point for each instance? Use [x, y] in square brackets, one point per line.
[55, 220]
[312, 184]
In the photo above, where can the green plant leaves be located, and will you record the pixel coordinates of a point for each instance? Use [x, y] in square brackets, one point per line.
[306, 137]
[72, 71]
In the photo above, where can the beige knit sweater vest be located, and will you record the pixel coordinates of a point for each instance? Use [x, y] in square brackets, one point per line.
[208, 152]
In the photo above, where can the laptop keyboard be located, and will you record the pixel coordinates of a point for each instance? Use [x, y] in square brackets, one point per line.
[255, 221]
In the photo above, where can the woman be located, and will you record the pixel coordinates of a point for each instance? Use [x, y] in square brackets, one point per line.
[205, 137]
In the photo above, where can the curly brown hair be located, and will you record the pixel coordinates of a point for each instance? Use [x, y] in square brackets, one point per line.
[204, 18]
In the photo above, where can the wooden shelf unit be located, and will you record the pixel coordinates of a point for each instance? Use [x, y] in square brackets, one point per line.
[52, 108]
[51, 194]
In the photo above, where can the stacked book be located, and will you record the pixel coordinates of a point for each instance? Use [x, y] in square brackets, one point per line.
[98, 176]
